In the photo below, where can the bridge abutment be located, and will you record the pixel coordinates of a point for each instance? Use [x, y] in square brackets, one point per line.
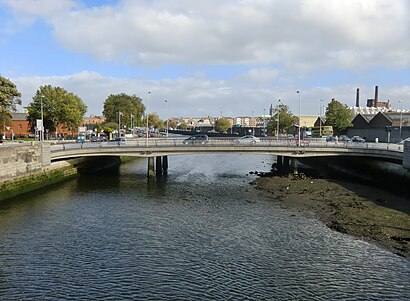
[151, 173]
[157, 167]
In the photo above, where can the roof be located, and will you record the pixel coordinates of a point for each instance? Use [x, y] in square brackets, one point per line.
[19, 116]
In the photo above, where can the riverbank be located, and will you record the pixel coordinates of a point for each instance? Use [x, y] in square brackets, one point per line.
[370, 214]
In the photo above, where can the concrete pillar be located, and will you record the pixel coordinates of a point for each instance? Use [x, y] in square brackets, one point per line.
[286, 165]
[158, 166]
[279, 164]
[295, 166]
[164, 164]
[151, 173]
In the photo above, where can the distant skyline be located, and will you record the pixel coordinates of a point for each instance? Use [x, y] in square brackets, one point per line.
[208, 57]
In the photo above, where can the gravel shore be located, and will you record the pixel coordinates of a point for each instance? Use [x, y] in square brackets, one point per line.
[371, 214]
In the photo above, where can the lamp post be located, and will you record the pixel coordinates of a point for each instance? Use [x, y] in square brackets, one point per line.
[277, 123]
[119, 124]
[149, 95]
[263, 117]
[42, 118]
[132, 125]
[299, 117]
[401, 116]
[253, 123]
[320, 118]
[166, 101]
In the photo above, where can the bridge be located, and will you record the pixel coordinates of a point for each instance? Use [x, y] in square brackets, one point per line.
[161, 148]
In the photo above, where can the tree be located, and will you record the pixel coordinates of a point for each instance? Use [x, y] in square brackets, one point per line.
[58, 106]
[9, 99]
[222, 125]
[126, 104]
[287, 120]
[172, 124]
[339, 116]
[154, 121]
[183, 125]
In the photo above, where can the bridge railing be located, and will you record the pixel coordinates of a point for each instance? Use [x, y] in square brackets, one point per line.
[178, 142]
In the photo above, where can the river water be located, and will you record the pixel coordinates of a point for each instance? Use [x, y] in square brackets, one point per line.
[201, 233]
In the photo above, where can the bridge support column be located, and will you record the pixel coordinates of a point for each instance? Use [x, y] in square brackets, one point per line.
[285, 169]
[295, 166]
[279, 164]
[164, 164]
[158, 166]
[151, 173]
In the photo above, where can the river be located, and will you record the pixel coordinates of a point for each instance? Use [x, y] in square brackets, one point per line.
[200, 233]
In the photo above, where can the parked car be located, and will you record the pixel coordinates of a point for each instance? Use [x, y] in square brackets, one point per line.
[330, 138]
[402, 142]
[345, 138]
[246, 139]
[358, 139]
[197, 139]
[80, 139]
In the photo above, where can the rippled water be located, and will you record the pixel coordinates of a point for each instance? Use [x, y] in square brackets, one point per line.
[201, 233]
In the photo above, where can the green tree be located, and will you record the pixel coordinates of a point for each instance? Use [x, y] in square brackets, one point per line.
[183, 125]
[9, 99]
[339, 116]
[222, 125]
[154, 121]
[172, 124]
[126, 104]
[58, 106]
[287, 121]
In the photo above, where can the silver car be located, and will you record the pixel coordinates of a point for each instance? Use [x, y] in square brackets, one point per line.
[248, 139]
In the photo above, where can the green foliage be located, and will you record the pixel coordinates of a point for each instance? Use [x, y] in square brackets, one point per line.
[126, 104]
[109, 127]
[339, 116]
[286, 121]
[9, 99]
[172, 124]
[222, 125]
[59, 107]
[154, 121]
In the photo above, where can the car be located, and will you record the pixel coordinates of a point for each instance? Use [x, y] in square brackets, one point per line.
[345, 138]
[80, 139]
[247, 139]
[118, 141]
[402, 142]
[330, 138]
[358, 139]
[197, 139]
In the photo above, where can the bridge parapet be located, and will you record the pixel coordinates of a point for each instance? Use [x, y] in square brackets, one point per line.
[406, 155]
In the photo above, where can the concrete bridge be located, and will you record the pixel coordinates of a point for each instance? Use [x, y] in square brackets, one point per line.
[161, 148]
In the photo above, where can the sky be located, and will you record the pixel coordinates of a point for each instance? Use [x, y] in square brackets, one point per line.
[210, 58]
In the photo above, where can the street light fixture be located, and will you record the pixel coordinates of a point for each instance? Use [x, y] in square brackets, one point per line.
[42, 118]
[299, 117]
[320, 118]
[132, 125]
[149, 95]
[401, 116]
[253, 123]
[119, 123]
[166, 101]
[277, 124]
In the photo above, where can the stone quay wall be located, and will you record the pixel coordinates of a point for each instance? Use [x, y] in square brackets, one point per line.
[406, 155]
[27, 166]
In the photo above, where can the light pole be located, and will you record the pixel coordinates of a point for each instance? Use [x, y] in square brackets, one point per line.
[263, 117]
[253, 123]
[277, 123]
[132, 125]
[401, 116]
[320, 118]
[166, 101]
[149, 95]
[300, 106]
[119, 123]
[42, 118]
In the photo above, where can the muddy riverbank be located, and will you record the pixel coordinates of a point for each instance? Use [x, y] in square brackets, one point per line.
[371, 214]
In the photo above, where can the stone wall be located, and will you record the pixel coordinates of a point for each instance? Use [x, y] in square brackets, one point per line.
[406, 155]
[22, 159]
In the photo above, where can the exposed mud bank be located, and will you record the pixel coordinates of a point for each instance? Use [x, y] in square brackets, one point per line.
[370, 214]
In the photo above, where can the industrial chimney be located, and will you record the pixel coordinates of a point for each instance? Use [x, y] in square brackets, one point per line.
[357, 98]
[376, 96]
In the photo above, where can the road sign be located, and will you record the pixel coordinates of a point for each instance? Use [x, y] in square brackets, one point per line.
[39, 123]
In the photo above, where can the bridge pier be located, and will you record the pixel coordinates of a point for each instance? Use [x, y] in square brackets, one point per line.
[279, 164]
[164, 164]
[158, 166]
[295, 166]
[285, 170]
[151, 173]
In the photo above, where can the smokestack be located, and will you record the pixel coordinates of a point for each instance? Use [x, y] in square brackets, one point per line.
[376, 95]
[357, 98]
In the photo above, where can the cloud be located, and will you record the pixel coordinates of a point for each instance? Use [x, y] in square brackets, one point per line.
[300, 35]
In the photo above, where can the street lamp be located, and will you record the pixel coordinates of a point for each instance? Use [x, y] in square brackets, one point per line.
[401, 116]
[263, 117]
[42, 118]
[277, 124]
[119, 123]
[299, 117]
[320, 118]
[166, 101]
[132, 125]
[253, 123]
[149, 95]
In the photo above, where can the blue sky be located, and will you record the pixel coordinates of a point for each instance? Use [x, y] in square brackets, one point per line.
[205, 57]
